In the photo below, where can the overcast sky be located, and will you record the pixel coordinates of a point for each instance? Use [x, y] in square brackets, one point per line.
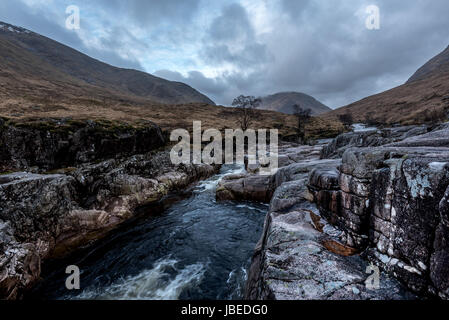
[224, 48]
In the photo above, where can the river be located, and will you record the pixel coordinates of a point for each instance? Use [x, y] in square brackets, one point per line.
[197, 248]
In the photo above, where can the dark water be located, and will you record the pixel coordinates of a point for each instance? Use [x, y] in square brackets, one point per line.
[196, 249]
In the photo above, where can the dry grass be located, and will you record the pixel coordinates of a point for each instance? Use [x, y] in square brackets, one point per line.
[37, 86]
[168, 117]
[407, 104]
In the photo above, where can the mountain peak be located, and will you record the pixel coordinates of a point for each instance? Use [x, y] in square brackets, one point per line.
[422, 99]
[31, 58]
[284, 102]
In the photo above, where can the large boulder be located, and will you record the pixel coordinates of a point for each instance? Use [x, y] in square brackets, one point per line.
[289, 194]
[31, 207]
[250, 187]
[50, 144]
[299, 255]
[372, 138]
[43, 216]
[323, 184]
[296, 260]
[437, 138]
[393, 203]
[33, 203]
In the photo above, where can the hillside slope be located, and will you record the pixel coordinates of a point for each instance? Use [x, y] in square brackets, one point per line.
[284, 102]
[438, 64]
[33, 65]
[424, 98]
[43, 81]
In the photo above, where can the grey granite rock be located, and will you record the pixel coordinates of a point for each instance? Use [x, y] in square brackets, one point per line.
[292, 262]
[393, 204]
[58, 143]
[373, 138]
[300, 254]
[43, 216]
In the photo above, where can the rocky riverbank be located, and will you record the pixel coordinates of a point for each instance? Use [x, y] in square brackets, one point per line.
[391, 202]
[45, 215]
[300, 255]
[337, 211]
[330, 219]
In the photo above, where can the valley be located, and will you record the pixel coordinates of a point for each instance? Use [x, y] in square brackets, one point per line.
[359, 193]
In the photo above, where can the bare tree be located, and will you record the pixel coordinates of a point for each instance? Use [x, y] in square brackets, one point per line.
[435, 115]
[346, 119]
[370, 119]
[302, 117]
[246, 105]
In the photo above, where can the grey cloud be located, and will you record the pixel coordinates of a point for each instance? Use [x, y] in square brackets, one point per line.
[232, 24]
[213, 88]
[166, 22]
[42, 21]
[324, 49]
[116, 43]
[152, 13]
[298, 10]
[18, 13]
[231, 39]
[318, 47]
[332, 56]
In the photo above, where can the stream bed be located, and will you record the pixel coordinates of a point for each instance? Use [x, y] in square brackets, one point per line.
[197, 248]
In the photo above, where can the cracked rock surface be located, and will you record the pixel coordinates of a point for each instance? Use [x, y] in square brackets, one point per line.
[296, 264]
[390, 201]
[300, 255]
[50, 215]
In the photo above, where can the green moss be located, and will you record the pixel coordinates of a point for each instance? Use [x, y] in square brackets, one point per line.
[76, 123]
[220, 189]
[70, 126]
[163, 148]
[278, 126]
[61, 171]
[63, 128]
[34, 125]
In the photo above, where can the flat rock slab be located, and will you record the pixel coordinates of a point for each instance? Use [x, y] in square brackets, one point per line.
[371, 138]
[298, 266]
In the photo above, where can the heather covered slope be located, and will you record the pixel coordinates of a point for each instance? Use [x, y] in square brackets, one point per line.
[438, 64]
[41, 79]
[33, 65]
[424, 98]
